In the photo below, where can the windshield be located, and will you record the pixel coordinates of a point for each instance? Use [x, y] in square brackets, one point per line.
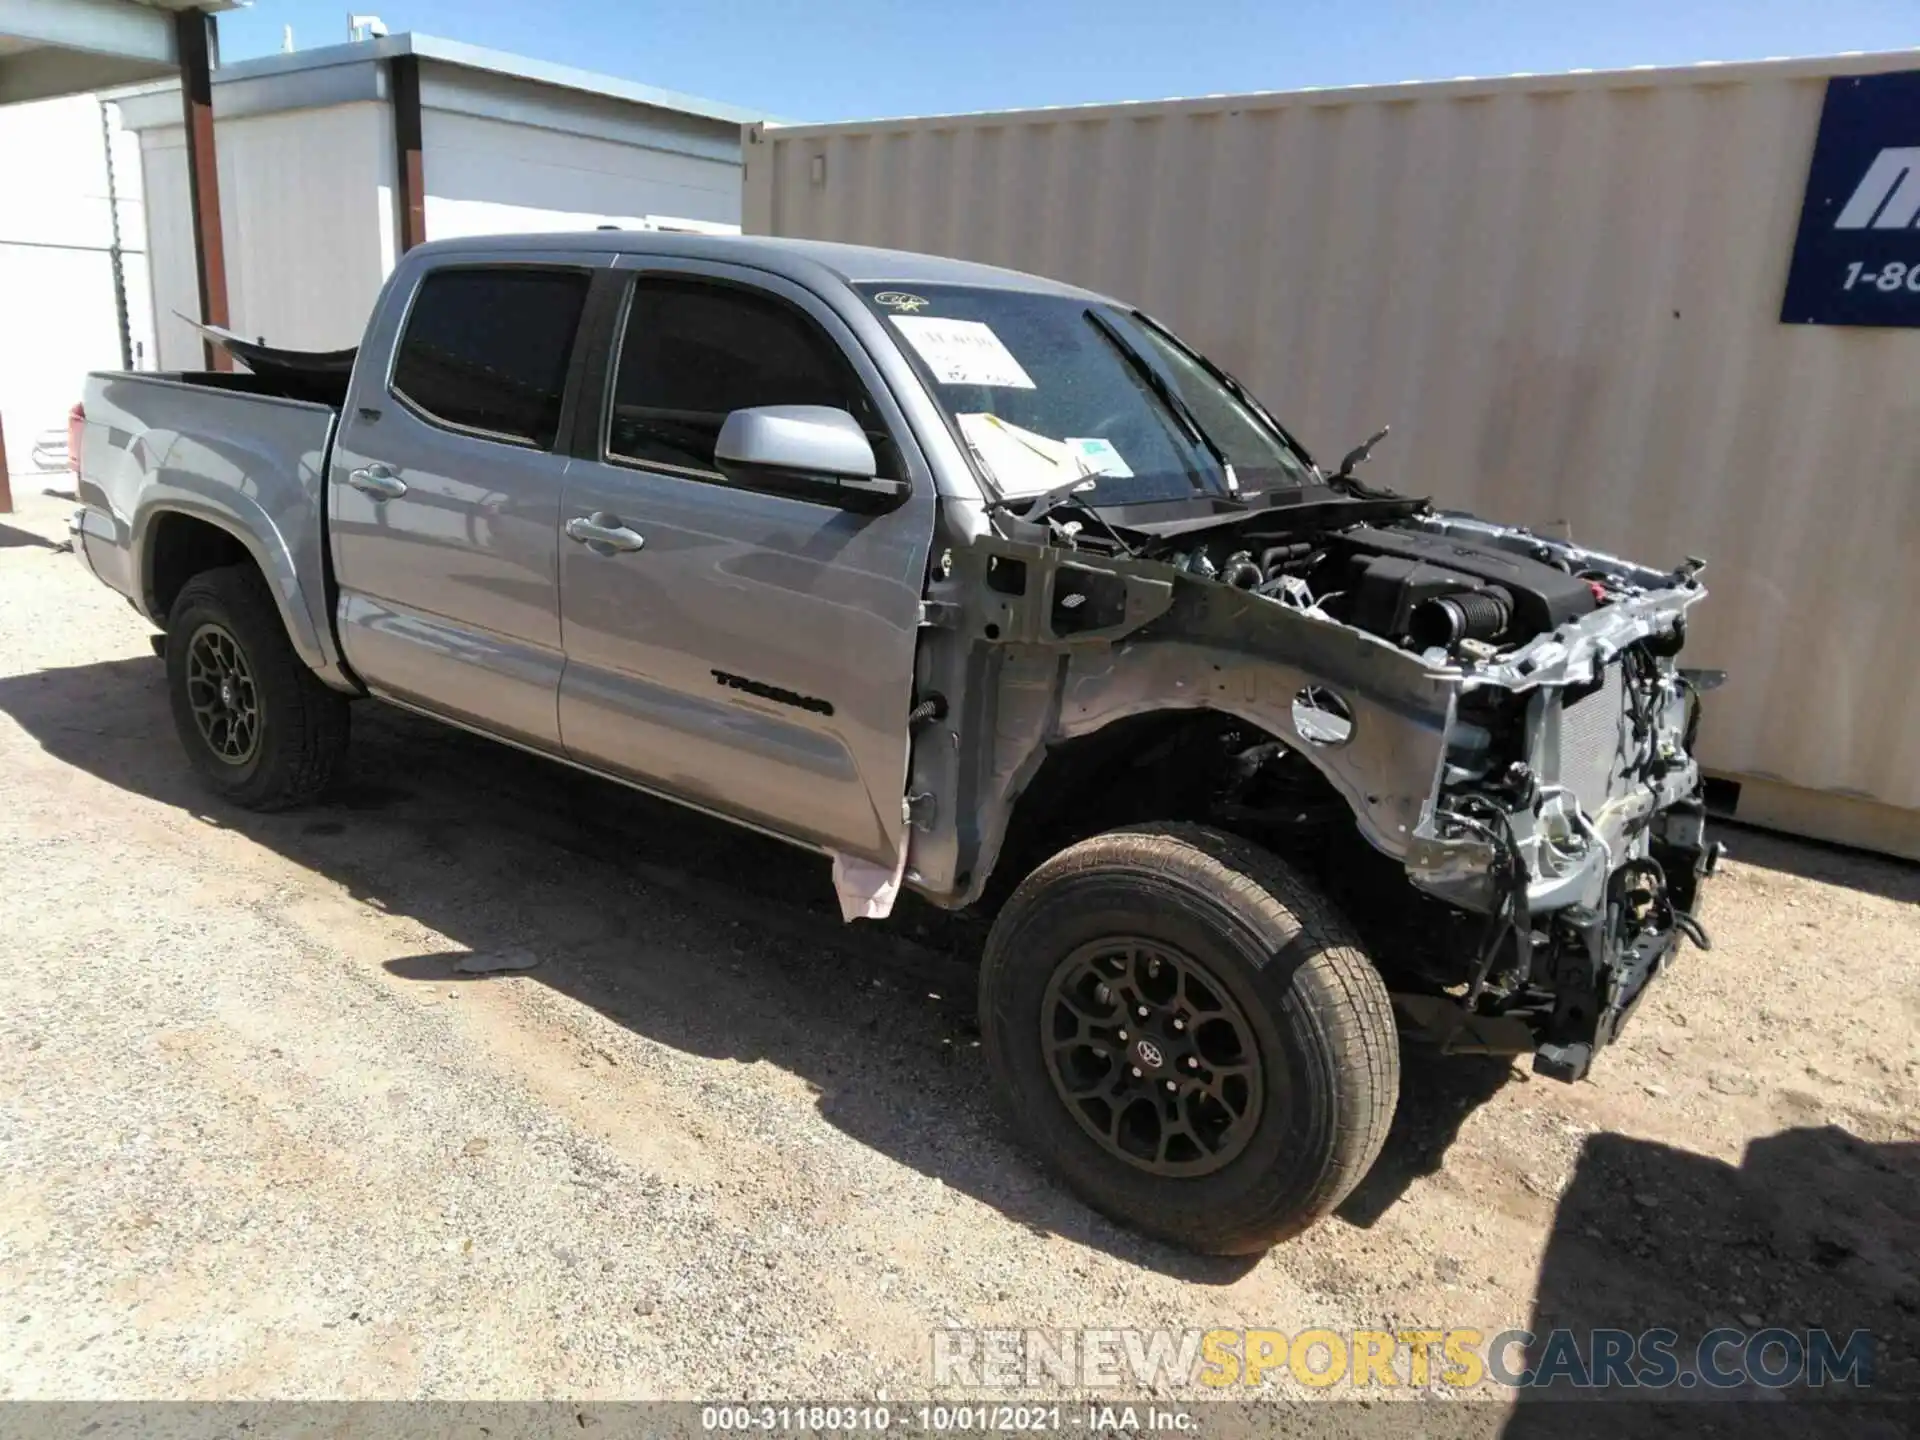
[1044, 388]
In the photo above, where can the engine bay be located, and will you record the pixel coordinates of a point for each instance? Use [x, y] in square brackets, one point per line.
[1447, 587]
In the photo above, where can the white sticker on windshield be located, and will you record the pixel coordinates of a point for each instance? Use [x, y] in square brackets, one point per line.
[963, 352]
[1099, 457]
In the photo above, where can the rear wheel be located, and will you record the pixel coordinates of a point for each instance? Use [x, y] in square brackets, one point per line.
[259, 726]
[1191, 1034]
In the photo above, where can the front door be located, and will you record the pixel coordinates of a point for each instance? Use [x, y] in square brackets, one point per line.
[746, 651]
[445, 493]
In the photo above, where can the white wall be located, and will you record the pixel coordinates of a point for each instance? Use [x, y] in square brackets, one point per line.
[306, 216]
[57, 317]
[307, 195]
[491, 177]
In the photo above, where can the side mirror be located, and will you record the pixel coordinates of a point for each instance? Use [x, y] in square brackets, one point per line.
[812, 452]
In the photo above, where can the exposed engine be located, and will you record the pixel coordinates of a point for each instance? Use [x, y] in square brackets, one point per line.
[1420, 587]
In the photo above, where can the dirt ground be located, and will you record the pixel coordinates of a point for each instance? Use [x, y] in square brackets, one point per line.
[259, 1139]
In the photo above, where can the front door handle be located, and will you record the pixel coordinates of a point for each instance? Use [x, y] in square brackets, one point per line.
[378, 481]
[603, 532]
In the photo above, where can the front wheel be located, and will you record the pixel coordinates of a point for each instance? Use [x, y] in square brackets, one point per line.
[1191, 1034]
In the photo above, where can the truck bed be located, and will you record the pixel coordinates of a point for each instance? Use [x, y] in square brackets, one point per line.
[225, 449]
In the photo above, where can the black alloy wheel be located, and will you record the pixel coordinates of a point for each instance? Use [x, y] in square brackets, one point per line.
[1151, 1055]
[221, 694]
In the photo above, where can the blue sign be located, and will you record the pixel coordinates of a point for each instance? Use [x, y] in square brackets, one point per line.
[1857, 258]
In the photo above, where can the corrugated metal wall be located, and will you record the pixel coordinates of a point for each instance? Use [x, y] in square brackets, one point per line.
[1562, 292]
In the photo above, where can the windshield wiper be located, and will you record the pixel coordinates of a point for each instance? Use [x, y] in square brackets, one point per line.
[1040, 503]
[1182, 413]
[1040, 507]
[1233, 387]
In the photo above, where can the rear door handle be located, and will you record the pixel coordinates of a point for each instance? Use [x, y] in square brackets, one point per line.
[378, 481]
[603, 532]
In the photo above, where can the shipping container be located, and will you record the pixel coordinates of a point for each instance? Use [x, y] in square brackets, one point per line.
[1565, 295]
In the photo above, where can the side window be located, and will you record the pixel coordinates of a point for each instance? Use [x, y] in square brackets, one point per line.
[486, 350]
[694, 352]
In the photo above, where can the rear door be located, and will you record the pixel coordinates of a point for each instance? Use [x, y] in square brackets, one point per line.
[444, 495]
[753, 652]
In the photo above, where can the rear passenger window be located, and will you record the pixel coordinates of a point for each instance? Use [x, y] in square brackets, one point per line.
[487, 350]
[695, 352]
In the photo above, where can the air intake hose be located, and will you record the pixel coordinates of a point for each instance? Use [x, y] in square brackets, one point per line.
[1241, 573]
[1446, 620]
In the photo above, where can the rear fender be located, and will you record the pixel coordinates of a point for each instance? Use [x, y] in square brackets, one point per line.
[274, 516]
[253, 466]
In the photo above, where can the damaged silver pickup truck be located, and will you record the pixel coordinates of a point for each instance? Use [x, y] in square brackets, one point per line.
[985, 587]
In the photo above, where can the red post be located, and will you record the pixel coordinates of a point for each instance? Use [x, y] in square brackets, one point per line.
[403, 71]
[6, 486]
[194, 33]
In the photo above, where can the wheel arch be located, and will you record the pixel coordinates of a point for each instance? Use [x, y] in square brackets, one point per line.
[184, 535]
[1135, 768]
[1023, 710]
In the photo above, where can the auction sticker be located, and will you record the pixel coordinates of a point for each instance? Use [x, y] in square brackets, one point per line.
[1099, 457]
[963, 352]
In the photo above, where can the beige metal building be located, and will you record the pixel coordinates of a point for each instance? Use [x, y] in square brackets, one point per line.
[1563, 292]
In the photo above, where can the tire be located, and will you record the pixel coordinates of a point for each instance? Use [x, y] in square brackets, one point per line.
[290, 749]
[1210, 909]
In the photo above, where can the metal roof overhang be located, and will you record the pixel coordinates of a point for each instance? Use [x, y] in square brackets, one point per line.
[72, 47]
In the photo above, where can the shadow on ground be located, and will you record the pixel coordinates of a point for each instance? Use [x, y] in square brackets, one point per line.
[685, 930]
[11, 537]
[1817, 860]
[1437, 1094]
[1814, 1230]
[718, 942]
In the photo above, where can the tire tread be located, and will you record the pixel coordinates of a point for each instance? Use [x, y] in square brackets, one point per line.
[1345, 1002]
[309, 720]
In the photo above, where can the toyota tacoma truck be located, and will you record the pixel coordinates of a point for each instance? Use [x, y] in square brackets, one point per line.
[987, 588]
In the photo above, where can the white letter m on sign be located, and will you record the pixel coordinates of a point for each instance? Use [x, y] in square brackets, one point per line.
[1889, 196]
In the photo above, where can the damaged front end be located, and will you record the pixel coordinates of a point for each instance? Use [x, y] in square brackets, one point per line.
[1499, 717]
[1577, 827]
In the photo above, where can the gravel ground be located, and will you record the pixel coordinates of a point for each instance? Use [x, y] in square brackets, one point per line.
[259, 1138]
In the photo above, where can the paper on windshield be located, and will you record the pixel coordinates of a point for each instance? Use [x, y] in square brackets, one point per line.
[963, 352]
[1019, 461]
[1099, 457]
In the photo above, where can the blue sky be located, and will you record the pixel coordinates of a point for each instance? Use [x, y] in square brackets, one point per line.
[848, 59]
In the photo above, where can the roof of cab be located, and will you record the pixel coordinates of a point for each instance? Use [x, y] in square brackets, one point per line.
[797, 259]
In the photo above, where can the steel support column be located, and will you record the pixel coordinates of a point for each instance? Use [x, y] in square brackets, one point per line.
[403, 71]
[194, 30]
